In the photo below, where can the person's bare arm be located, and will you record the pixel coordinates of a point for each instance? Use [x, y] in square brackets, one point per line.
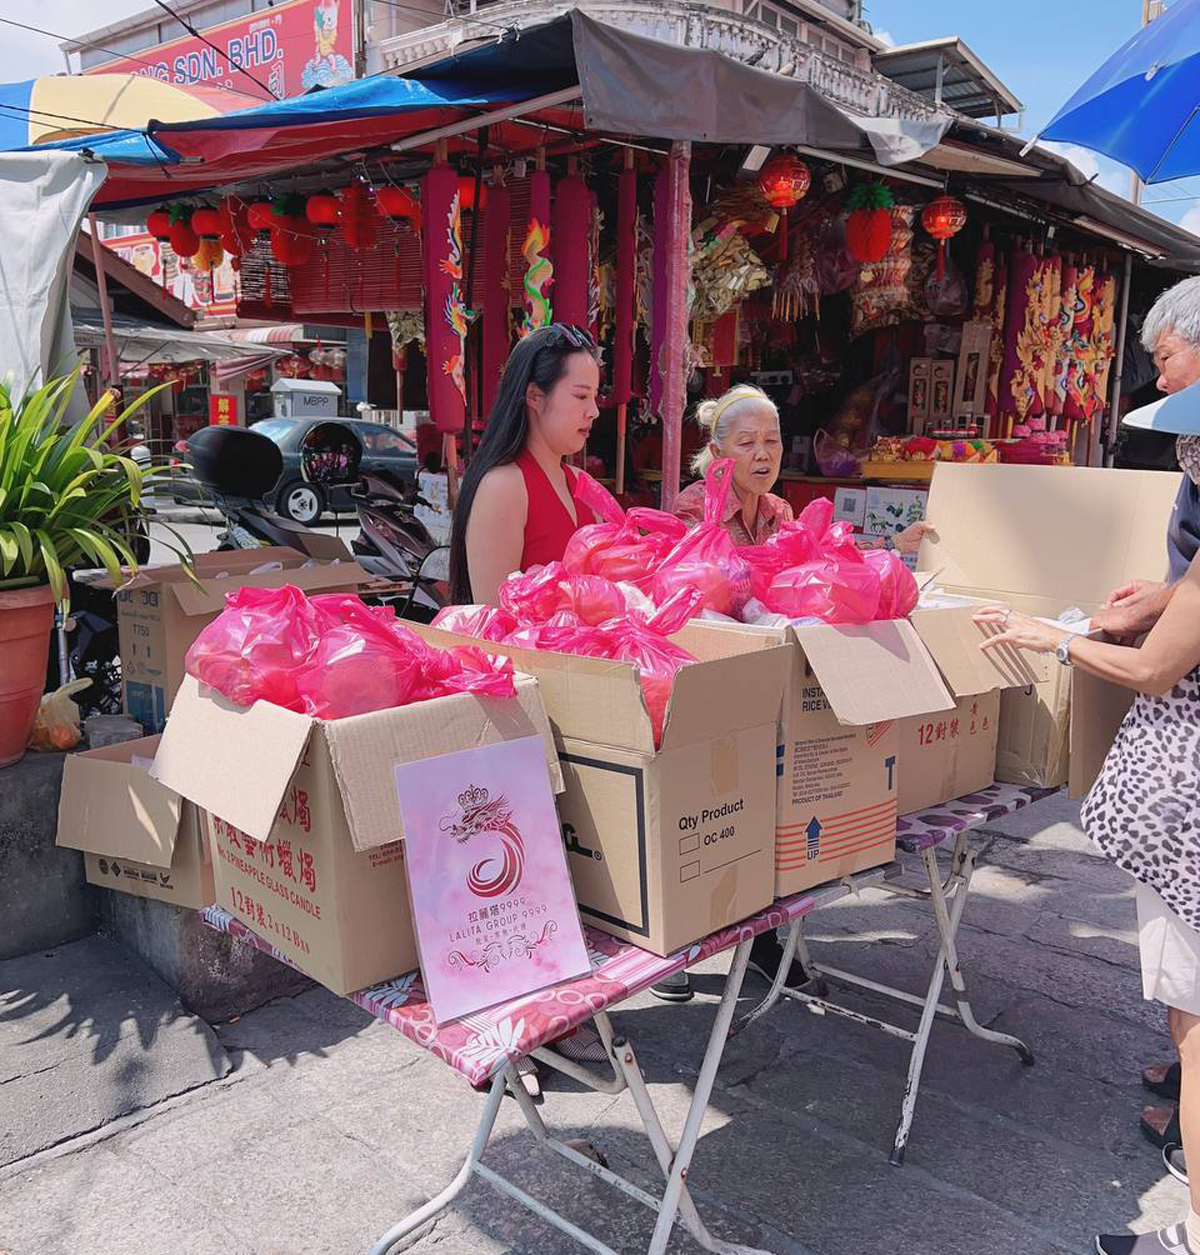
[1169, 653]
[496, 532]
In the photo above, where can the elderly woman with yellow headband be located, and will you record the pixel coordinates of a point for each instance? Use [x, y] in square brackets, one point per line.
[744, 425]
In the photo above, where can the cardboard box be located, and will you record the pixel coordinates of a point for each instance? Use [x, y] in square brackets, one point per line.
[1045, 539]
[947, 755]
[666, 845]
[161, 613]
[836, 754]
[850, 506]
[305, 821]
[1097, 712]
[138, 837]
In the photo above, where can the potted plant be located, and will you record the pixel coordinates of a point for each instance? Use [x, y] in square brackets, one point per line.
[69, 497]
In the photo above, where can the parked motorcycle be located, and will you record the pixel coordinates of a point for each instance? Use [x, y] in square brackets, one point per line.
[238, 467]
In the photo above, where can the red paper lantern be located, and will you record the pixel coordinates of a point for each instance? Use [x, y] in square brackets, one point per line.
[158, 224]
[183, 240]
[943, 218]
[466, 193]
[869, 222]
[784, 180]
[207, 224]
[359, 217]
[261, 216]
[324, 212]
[397, 203]
[291, 240]
[236, 232]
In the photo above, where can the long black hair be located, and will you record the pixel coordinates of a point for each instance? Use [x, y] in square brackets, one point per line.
[541, 359]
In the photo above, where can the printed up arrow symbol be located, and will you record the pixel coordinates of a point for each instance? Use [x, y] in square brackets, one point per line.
[813, 830]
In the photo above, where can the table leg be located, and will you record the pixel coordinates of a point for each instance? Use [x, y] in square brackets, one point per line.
[441, 1201]
[705, 1079]
[957, 887]
[778, 984]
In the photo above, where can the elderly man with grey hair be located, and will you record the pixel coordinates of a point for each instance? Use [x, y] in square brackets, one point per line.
[1171, 334]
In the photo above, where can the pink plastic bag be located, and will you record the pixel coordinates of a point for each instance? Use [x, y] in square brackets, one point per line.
[833, 590]
[331, 657]
[485, 623]
[253, 648]
[547, 590]
[625, 548]
[898, 595]
[707, 558]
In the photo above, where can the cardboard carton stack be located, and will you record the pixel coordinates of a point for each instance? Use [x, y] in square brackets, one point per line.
[664, 845]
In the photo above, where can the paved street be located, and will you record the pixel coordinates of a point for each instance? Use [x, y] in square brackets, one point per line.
[306, 1129]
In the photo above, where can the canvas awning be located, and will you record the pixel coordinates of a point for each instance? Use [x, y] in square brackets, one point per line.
[628, 84]
[147, 342]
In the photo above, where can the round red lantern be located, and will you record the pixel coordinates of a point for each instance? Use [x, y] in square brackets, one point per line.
[183, 240]
[869, 222]
[158, 224]
[261, 216]
[323, 212]
[943, 218]
[397, 203]
[783, 181]
[291, 240]
[207, 224]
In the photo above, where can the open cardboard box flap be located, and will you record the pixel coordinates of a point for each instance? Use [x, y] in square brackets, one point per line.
[111, 806]
[874, 671]
[591, 699]
[953, 638]
[869, 673]
[365, 749]
[312, 579]
[725, 696]
[1072, 534]
[235, 761]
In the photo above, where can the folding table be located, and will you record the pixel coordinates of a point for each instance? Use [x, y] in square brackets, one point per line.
[921, 834]
[485, 1047]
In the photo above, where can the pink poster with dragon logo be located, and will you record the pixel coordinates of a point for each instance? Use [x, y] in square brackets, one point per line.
[493, 906]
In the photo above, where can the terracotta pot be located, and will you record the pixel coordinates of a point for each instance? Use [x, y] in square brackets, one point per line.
[26, 621]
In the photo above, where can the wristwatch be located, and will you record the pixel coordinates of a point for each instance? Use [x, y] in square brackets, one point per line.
[1062, 651]
[889, 543]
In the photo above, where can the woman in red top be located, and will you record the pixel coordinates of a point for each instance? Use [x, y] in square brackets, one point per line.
[517, 507]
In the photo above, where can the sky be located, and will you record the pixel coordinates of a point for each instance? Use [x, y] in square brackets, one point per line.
[1039, 48]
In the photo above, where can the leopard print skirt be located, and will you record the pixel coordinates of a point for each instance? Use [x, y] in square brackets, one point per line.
[1144, 810]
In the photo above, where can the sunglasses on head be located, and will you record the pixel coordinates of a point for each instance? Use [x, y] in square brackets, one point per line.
[577, 337]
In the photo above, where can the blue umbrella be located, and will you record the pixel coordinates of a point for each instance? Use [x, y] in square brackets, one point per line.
[1142, 106]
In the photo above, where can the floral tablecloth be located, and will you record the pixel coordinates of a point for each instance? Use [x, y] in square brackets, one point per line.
[923, 830]
[479, 1045]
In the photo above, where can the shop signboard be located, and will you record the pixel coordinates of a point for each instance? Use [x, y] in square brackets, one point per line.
[291, 48]
[222, 410]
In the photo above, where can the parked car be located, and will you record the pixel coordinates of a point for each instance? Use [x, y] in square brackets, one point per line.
[384, 449]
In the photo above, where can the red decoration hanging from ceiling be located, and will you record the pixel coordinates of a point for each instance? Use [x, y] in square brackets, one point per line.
[942, 218]
[783, 181]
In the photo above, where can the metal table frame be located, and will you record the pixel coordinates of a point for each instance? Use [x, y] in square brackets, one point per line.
[948, 897]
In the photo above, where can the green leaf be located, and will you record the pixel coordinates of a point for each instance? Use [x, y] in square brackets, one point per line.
[9, 552]
[58, 580]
